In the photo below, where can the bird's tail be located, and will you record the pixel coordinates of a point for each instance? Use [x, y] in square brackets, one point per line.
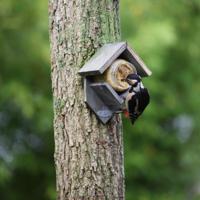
[133, 117]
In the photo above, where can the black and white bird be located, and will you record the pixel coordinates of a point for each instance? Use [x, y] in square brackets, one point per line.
[137, 99]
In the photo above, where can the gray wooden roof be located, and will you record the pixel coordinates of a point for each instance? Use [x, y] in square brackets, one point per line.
[107, 54]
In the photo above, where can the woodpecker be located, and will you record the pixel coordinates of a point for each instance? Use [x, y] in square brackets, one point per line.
[137, 99]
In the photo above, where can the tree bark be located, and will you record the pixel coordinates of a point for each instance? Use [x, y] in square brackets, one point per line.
[88, 155]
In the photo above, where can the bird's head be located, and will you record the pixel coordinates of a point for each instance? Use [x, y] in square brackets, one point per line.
[133, 79]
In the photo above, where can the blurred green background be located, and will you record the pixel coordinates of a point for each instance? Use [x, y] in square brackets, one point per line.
[162, 151]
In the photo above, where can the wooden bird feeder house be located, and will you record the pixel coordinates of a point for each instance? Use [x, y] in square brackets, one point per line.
[104, 88]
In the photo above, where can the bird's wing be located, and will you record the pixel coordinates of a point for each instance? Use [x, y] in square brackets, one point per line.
[144, 99]
[138, 103]
[132, 107]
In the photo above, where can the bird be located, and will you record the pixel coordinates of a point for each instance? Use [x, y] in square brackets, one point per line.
[137, 98]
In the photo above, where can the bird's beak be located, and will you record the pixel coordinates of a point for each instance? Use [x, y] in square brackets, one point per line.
[125, 79]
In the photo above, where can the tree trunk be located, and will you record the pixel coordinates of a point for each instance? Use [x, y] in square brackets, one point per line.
[88, 155]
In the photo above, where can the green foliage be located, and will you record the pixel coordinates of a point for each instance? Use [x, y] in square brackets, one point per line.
[161, 150]
[26, 135]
